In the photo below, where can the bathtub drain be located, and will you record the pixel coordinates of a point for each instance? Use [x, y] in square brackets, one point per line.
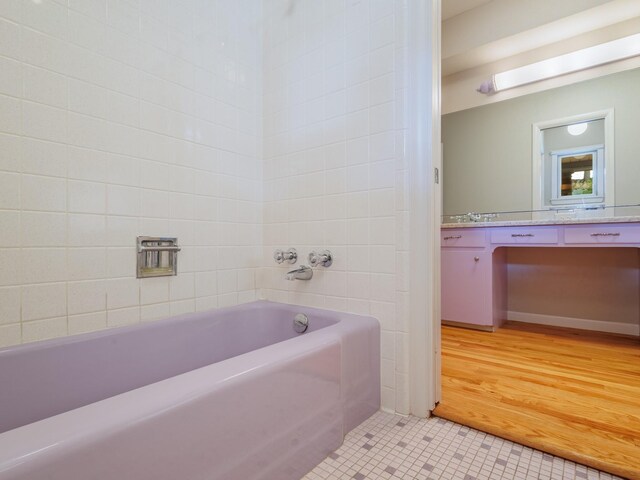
[300, 323]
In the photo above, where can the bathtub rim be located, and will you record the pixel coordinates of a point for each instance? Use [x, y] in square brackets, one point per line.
[171, 320]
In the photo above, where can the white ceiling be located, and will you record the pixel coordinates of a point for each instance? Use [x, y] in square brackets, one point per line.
[499, 29]
[451, 8]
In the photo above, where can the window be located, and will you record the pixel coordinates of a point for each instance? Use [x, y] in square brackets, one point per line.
[577, 176]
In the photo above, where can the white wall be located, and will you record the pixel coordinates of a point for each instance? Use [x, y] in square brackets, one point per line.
[122, 118]
[334, 166]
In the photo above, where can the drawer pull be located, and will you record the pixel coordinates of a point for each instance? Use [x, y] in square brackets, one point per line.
[453, 237]
[520, 235]
[606, 234]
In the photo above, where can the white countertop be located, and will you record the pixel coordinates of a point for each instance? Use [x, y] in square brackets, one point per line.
[546, 221]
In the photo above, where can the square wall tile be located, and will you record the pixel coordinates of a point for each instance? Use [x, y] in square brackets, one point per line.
[87, 197]
[10, 228]
[10, 108]
[44, 122]
[88, 322]
[156, 311]
[9, 190]
[11, 271]
[154, 290]
[44, 301]
[10, 335]
[44, 193]
[123, 317]
[10, 153]
[44, 265]
[87, 263]
[44, 329]
[44, 229]
[123, 200]
[40, 157]
[10, 305]
[87, 296]
[85, 230]
[121, 262]
[45, 86]
[10, 77]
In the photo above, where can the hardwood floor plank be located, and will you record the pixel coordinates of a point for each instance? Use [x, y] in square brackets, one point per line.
[571, 393]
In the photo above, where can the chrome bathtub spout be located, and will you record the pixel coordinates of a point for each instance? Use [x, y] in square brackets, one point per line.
[303, 273]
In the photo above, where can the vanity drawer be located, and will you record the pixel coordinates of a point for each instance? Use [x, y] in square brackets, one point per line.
[603, 234]
[525, 235]
[464, 237]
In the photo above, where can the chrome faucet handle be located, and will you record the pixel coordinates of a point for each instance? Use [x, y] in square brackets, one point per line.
[473, 217]
[322, 258]
[290, 256]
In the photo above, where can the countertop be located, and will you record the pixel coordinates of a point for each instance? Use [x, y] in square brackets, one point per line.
[546, 221]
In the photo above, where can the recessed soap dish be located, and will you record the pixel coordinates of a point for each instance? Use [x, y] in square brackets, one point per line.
[157, 256]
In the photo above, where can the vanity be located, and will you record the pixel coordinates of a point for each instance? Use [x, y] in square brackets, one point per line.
[474, 259]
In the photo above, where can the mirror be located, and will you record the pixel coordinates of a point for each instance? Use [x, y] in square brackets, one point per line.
[571, 161]
[520, 155]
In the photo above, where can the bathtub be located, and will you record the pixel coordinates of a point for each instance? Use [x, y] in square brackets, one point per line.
[233, 393]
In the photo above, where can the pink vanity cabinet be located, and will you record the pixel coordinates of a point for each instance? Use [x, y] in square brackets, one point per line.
[474, 267]
[470, 276]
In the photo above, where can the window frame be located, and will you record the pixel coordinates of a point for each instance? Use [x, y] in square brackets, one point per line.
[598, 195]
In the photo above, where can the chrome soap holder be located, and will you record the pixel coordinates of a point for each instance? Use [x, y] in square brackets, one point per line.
[157, 256]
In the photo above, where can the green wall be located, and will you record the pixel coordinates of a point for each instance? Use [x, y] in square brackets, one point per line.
[487, 150]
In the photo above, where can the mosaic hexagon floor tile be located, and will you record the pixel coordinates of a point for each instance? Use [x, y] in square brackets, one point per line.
[388, 446]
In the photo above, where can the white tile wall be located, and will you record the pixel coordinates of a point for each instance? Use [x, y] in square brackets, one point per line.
[121, 118]
[333, 163]
[238, 126]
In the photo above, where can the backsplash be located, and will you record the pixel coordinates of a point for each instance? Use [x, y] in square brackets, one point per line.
[123, 118]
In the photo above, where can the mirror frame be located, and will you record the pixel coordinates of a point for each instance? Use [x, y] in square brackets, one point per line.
[537, 155]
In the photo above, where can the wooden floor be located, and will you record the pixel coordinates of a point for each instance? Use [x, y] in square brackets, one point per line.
[570, 393]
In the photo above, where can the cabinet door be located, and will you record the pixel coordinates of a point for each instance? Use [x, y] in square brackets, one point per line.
[466, 287]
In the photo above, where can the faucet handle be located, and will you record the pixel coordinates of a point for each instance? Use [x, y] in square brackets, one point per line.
[322, 258]
[290, 256]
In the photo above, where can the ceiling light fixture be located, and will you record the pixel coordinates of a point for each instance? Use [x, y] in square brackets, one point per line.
[577, 128]
[608, 52]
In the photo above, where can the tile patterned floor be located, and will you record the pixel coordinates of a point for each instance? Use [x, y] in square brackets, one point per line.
[390, 446]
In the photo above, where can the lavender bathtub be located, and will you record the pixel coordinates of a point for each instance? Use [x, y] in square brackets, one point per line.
[229, 394]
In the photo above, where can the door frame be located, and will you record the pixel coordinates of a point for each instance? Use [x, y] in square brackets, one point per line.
[424, 166]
